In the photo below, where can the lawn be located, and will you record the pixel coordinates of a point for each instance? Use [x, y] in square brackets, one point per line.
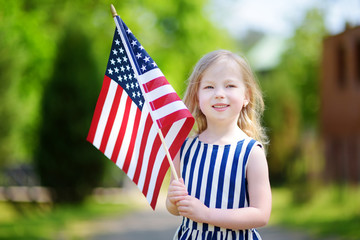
[62, 222]
[332, 211]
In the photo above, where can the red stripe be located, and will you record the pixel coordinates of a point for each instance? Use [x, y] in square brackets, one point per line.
[173, 117]
[164, 100]
[154, 151]
[155, 83]
[132, 141]
[173, 149]
[120, 137]
[98, 109]
[144, 139]
[163, 169]
[111, 119]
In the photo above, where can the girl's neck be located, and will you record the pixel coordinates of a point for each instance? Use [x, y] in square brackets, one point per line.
[222, 135]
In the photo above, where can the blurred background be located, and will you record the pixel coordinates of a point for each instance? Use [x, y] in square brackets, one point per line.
[53, 55]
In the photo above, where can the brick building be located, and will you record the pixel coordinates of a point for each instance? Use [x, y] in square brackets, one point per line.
[340, 105]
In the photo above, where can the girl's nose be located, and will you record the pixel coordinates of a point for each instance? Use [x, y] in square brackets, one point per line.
[219, 93]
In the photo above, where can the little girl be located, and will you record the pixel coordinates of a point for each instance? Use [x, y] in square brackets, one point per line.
[224, 190]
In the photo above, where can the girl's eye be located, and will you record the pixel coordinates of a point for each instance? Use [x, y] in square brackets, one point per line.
[231, 86]
[208, 87]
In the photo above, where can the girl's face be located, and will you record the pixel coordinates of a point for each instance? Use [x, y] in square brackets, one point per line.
[222, 93]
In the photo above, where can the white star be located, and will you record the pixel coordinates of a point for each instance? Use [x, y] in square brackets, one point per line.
[141, 47]
[140, 103]
[146, 59]
[154, 64]
[130, 76]
[112, 61]
[116, 70]
[132, 86]
[128, 30]
[125, 59]
[117, 42]
[127, 86]
[133, 43]
[120, 78]
[138, 94]
[134, 94]
[125, 77]
[121, 50]
[110, 71]
[136, 85]
[138, 55]
[127, 67]
[143, 67]
[118, 60]
[122, 69]
[115, 52]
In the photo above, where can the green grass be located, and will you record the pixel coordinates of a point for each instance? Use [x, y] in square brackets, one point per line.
[332, 211]
[62, 222]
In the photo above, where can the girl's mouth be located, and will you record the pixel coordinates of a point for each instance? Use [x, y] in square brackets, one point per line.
[220, 106]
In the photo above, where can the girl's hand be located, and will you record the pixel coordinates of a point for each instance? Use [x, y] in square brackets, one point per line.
[193, 208]
[177, 191]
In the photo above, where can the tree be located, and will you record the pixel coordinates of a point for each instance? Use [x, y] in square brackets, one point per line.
[292, 97]
[65, 161]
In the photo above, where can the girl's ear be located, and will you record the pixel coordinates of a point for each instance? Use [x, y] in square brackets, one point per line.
[247, 98]
[246, 102]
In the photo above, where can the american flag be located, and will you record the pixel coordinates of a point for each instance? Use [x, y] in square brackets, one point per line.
[135, 102]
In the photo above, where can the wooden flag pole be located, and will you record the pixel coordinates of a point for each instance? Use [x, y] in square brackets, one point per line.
[113, 10]
[172, 167]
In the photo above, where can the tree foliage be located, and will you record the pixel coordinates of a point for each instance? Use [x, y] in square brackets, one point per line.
[48, 86]
[65, 161]
[293, 97]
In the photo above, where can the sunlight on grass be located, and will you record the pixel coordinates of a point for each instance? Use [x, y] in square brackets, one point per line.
[331, 211]
[62, 222]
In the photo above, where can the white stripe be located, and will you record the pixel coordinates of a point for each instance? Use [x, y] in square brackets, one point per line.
[148, 148]
[238, 180]
[167, 109]
[205, 176]
[230, 159]
[186, 147]
[134, 159]
[159, 92]
[190, 159]
[196, 170]
[150, 75]
[105, 114]
[169, 140]
[175, 128]
[127, 136]
[215, 180]
[116, 126]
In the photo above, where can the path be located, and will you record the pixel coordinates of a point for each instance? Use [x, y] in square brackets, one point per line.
[160, 225]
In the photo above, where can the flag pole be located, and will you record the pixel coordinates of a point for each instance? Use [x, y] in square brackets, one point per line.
[172, 167]
[113, 10]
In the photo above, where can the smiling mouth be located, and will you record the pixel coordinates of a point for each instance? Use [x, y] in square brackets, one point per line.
[220, 106]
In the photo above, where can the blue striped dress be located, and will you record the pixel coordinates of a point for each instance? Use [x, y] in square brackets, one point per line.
[216, 175]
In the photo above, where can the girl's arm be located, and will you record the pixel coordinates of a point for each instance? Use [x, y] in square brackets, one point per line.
[256, 215]
[177, 190]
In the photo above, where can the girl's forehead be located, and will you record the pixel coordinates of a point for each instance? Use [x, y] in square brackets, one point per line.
[224, 68]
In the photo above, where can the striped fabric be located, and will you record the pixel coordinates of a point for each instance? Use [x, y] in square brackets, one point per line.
[216, 175]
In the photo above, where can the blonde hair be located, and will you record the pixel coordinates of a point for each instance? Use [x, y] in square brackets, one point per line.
[250, 117]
